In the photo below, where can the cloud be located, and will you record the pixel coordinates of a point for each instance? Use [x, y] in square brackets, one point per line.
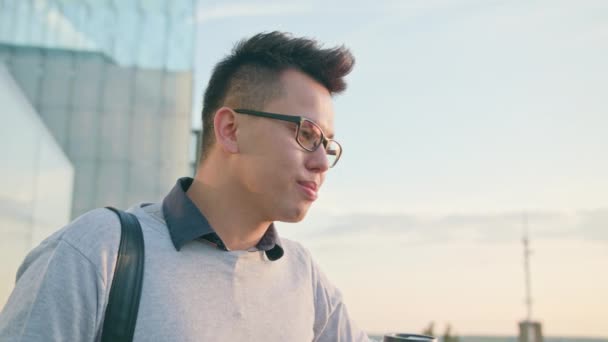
[594, 224]
[483, 227]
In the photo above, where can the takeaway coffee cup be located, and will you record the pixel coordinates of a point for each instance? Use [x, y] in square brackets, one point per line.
[408, 338]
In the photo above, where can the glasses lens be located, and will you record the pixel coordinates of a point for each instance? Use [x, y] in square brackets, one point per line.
[309, 135]
[333, 151]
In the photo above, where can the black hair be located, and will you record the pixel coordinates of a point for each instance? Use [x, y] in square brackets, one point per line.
[250, 76]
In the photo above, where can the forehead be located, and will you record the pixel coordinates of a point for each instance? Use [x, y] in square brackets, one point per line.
[303, 96]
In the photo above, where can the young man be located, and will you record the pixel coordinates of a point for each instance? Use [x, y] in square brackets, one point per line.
[215, 267]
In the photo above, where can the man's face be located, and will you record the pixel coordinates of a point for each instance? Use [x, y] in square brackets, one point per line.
[280, 177]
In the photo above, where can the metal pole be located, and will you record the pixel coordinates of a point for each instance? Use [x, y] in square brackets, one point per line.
[527, 253]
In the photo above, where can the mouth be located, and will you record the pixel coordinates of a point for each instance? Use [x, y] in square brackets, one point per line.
[309, 189]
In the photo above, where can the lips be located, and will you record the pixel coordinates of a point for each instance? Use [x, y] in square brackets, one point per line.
[309, 189]
[310, 185]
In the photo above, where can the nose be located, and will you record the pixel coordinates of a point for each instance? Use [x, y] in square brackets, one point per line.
[317, 161]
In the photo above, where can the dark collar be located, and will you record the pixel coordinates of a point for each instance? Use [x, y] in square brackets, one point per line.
[186, 223]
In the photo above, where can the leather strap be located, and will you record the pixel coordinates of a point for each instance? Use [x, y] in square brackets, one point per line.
[123, 301]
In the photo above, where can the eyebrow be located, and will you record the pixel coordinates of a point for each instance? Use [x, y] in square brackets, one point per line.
[327, 135]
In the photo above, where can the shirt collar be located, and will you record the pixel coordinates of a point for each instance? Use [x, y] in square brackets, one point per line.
[187, 223]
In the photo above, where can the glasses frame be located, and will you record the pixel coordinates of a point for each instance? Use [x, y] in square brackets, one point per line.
[297, 120]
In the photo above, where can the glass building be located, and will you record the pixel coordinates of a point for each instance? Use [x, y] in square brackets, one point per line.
[96, 111]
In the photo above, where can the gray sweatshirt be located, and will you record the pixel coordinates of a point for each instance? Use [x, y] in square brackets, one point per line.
[199, 293]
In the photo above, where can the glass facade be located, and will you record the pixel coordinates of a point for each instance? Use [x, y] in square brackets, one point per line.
[112, 80]
[153, 34]
[35, 181]
[108, 89]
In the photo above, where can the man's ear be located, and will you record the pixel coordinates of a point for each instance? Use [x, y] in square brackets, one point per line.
[225, 126]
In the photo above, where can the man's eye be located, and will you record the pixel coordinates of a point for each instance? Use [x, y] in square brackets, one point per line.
[307, 135]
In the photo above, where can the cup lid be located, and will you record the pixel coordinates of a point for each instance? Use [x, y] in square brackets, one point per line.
[408, 337]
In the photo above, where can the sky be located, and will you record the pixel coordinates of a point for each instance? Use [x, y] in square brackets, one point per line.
[460, 117]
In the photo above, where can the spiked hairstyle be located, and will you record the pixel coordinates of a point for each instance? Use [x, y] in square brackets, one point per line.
[250, 76]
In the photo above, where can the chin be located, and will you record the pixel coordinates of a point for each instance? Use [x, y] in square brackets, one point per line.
[294, 220]
[293, 215]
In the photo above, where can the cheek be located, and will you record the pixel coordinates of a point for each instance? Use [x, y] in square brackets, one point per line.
[268, 172]
[285, 155]
[272, 161]
[279, 174]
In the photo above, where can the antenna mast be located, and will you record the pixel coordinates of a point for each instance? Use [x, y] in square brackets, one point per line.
[529, 331]
[527, 253]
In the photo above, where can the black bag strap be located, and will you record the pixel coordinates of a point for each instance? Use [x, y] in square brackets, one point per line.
[123, 301]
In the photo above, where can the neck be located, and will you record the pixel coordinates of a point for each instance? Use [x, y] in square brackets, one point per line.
[224, 204]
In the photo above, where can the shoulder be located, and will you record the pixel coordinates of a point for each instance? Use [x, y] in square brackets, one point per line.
[94, 236]
[296, 251]
[300, 257]
[325, 293]
[91, 240]
[92, 231]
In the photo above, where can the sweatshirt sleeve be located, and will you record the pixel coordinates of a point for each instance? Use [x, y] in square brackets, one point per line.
[56, 297]
[332, 322]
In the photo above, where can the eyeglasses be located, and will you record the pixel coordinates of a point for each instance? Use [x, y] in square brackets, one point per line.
[308, 134]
